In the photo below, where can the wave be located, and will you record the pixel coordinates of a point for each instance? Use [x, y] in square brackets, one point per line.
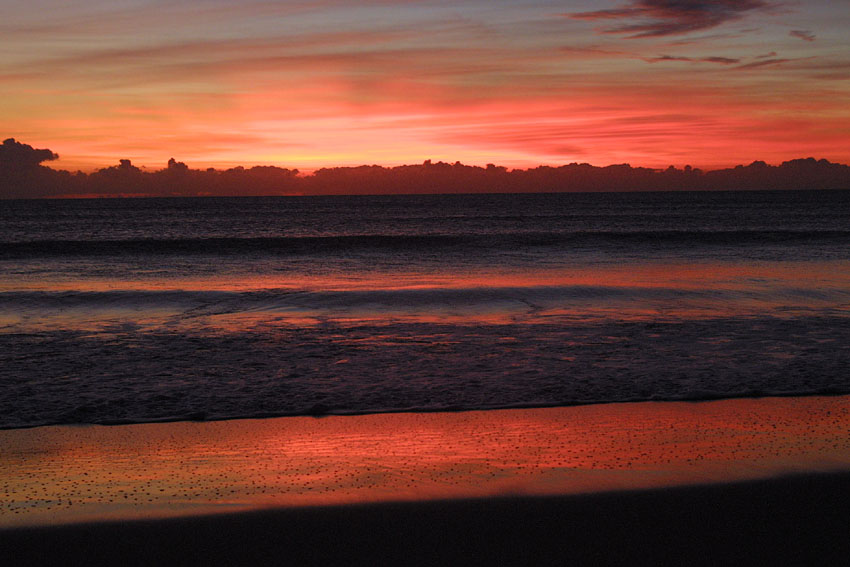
[301, 245]
[272, 299]
[138, 367]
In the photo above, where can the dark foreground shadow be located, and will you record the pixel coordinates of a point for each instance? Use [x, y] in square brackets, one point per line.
[788, 521]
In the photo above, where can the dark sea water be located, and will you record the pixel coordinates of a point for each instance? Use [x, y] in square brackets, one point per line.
[134, 310]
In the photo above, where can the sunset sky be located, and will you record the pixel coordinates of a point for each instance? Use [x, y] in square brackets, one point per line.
[311, 84]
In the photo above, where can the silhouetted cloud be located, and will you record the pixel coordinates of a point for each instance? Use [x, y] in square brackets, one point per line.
[460, 178]
[802, 34]
[656, 18]
[177, 179]
[14, 154]
[719, 60]
[662, 58]
[22, 175]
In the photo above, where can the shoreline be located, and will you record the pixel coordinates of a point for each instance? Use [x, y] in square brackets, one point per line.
[321, 411]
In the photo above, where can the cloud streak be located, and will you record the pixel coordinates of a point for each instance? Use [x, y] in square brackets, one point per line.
[658, 18]
[715, 59]
[805, 35]
[763, 63]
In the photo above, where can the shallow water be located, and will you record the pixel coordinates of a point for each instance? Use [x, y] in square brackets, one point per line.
[123, 311]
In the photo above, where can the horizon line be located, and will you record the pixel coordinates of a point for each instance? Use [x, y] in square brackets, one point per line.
[306, 172]
[24, 176]
[55, 163]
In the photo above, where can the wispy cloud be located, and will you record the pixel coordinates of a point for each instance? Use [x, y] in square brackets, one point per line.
[664, 58]
[802, 34]
[657, 18]
[593, 51]
[763, 63]
[719, 60]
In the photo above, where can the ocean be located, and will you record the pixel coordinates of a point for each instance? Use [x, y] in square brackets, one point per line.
[139, 310]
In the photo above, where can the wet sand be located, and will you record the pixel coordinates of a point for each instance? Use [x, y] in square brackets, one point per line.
[631, 483]
[800, 520]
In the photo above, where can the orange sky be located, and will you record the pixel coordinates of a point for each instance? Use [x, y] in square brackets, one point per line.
[306, 85]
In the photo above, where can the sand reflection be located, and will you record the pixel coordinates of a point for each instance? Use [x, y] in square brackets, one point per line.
[66, 474]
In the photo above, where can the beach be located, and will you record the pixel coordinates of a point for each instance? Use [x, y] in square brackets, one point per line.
[641, 378]
[656, 482]
[425, 283]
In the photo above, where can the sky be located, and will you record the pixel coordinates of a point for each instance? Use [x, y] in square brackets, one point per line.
[216, 83]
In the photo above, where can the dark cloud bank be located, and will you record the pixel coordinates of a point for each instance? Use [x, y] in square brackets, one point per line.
[658, 18]
[23, 176]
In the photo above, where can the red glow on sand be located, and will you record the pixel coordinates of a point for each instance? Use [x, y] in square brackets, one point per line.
[80, 474]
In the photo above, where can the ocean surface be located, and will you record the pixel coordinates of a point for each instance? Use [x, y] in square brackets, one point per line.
[136, 310]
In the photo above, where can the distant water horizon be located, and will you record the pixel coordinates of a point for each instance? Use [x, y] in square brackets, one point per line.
[137, 310]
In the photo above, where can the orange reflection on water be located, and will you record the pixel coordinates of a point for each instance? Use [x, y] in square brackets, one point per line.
[66, 474]
[696, 290]
[670, 275]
